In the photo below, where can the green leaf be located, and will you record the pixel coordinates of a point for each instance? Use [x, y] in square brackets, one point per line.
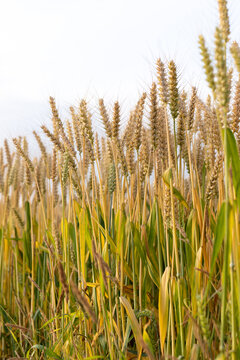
[6, 317]
[234, 161]
[167, 175]
[108, 238]
[219, 237]
[153, 272]
[47, 351]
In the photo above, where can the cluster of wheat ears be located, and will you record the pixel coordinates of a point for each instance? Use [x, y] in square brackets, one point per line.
[127, 246]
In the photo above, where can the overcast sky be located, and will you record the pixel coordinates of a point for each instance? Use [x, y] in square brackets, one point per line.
[72, 49]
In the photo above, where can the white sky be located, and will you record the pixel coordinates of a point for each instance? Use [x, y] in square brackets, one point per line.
[72, 49]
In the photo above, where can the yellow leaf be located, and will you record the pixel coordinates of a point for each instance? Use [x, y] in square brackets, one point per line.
[163, 306]
[195, 352]
[147, 340]
[136, 328]
[92, 285]
[220, 357]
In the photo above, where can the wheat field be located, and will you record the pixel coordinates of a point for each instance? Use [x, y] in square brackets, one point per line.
[127, 246]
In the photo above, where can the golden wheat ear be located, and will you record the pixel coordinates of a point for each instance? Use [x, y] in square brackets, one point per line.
[173, 89]
[105, 118]
[162, 82]
[116, 120]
